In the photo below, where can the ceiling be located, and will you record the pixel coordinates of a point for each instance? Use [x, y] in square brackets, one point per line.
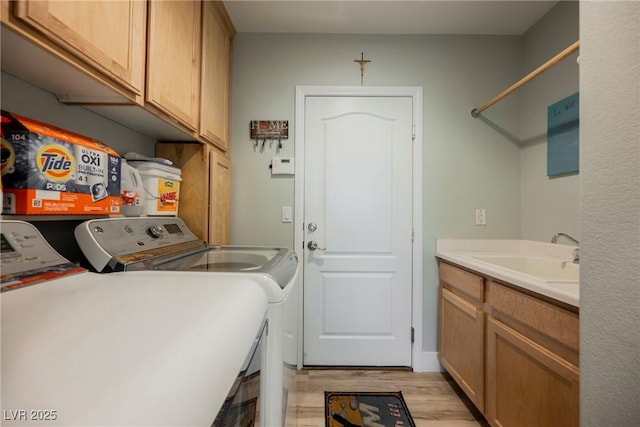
[386, 16]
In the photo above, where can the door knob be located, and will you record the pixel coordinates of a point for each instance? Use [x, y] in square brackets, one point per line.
[313, 245]
[312, 227]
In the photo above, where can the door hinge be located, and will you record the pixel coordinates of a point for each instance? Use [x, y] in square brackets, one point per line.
[413, 235]
[413, 335]
[413, 132]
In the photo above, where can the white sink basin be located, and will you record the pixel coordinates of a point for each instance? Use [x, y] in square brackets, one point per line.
[544, 269]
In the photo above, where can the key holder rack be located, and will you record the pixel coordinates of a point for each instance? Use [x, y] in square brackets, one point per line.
[262, 131]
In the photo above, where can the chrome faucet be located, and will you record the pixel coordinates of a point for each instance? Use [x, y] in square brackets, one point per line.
[576, 251]
[554, 239]
[576, 256]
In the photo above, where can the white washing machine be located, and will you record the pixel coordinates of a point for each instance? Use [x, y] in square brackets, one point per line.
[167, 244]
[141, 348]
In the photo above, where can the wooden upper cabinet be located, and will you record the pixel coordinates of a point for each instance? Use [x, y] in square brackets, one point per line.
[193, 160]
[170, 57]
[219, 198]
[109, 36]
[173, 60]
[217, 34]
[205, 189]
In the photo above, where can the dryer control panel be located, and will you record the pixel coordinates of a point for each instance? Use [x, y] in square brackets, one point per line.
[27, 258]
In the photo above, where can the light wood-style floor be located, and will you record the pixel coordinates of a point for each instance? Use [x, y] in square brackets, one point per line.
[434, 400]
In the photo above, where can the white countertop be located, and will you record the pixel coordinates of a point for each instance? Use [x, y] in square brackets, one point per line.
[464, 252]
[126, 349]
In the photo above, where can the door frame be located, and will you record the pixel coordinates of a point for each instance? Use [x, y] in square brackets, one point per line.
[301, 93]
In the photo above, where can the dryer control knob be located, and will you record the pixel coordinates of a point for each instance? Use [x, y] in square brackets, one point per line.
[155, 231]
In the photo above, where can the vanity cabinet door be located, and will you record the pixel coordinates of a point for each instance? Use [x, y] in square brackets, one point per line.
[461, 344]
[109, 36]
[173, 60]
[528, 385]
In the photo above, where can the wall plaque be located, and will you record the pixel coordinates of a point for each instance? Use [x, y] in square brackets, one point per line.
[563, 136]
[269, 129]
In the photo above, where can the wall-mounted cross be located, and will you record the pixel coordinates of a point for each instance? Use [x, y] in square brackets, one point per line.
[362, 63]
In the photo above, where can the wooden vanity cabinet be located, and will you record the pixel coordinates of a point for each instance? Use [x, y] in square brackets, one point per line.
[461, 330]
[109, 37]
[532, 373]
[514, 353]
[173, 60]
[205, 188]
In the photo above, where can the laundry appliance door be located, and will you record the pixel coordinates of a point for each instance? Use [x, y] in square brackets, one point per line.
[219, 259]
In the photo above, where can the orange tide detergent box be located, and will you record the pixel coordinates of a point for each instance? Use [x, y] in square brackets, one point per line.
[47, 170]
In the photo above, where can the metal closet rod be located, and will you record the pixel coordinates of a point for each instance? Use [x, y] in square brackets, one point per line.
[535, 73]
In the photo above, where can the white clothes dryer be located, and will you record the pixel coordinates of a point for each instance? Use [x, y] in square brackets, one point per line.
[167, 245]
[141, 348]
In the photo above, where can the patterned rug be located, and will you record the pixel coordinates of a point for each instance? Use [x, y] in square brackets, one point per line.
[366, 409]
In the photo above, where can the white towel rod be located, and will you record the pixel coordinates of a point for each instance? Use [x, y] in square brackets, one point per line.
[535, 73]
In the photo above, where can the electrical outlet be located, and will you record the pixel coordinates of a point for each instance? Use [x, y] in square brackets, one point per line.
[481, 217]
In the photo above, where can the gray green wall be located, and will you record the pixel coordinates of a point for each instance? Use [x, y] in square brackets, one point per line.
[548, 205]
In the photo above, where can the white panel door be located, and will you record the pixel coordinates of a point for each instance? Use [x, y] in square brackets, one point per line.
[358, 210]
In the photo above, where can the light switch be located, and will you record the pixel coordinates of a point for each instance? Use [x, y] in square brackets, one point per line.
[286, 214]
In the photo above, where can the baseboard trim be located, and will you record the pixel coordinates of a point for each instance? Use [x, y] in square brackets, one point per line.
[430, 362]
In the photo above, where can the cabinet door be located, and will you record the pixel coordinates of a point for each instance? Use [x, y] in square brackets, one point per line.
[461, 339]
[193, 160]
[173, 60]
[219, 198]
[216, 62]
[205, 190]
[109, 36]
[527, 385]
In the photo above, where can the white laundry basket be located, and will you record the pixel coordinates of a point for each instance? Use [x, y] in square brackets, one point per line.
[162, 186]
